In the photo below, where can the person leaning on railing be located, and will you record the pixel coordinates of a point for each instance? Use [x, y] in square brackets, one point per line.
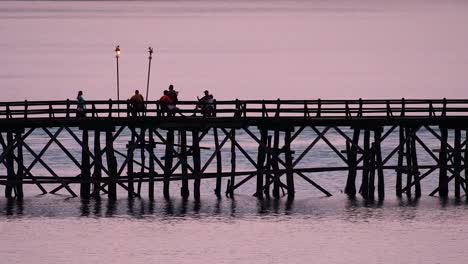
[167, 105]
[206, 104]
[137, 103]
[80, 105]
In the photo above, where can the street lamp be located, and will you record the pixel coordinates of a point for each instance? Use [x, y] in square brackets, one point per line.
[117, 55]
[150, 51]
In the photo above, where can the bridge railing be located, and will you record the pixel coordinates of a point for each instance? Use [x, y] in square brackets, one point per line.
[242, 108]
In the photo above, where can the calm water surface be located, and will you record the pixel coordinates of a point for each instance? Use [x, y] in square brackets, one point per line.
[246, 49]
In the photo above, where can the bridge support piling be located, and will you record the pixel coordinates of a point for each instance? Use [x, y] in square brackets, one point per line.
[275, 165]
[399, 172]
[219, 166]
[196, 164]
[371, 186]
[465, 163]
[379, 163]
[97, 173]
[409, 161]
[85, 166]
[457, 161]
[443, 179]
[352, 151]
[261, 161]
[414, 162]
[233, 163]
[168, 160]
[143, 158]
[130, 157]
[20, 169]
[366, 164]
[184, 190]
[112, 166]
[289, 164]
[11, 177]
[152, 171]
[266, 190]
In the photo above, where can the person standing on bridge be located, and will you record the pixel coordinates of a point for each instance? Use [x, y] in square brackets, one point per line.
[138, 103]
[173, 95]
[167, 105]
[206, 104]
[80, 105]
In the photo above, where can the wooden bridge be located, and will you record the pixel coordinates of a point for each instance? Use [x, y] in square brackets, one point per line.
[273, 125]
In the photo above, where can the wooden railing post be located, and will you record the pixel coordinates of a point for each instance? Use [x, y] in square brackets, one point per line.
[110, 108]
[67, 114]
[25, 109]
[360, 108]
[278, 107]
[403, 107]
[319, 107]
[444, 107]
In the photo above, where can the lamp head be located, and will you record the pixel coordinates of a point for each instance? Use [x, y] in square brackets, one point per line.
[117, 51]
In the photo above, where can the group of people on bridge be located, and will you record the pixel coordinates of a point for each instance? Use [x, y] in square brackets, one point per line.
[168, 103]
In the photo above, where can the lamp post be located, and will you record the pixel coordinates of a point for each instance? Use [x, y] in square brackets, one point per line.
[150, 51]
[117, 55]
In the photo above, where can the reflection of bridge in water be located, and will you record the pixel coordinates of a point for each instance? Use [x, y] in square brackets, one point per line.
[272, 125]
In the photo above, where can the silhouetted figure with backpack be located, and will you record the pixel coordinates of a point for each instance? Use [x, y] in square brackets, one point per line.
[138, 103]
[80, 105]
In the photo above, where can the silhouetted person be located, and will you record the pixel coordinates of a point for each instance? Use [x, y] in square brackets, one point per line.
[138, 103]
[166, 103]
[173, 94]
[206, 104]
[80, 105]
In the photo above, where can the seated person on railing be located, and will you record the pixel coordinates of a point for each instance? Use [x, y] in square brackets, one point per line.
[80, 105]
[137, 103]
[166, 103]
[206, 104]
